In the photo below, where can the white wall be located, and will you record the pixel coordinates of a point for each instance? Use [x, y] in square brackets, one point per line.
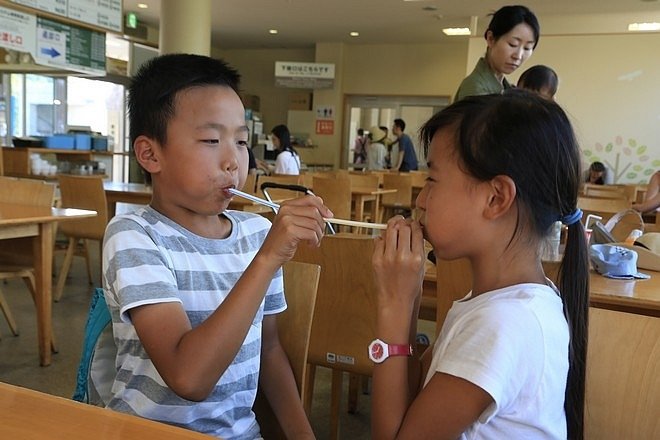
[610, 87]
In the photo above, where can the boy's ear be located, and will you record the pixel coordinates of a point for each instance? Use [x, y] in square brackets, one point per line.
[146, 153]
[502, 194]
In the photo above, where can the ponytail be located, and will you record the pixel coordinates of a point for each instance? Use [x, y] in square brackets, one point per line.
[574, 288]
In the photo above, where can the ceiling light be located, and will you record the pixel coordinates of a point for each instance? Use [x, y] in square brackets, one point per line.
[644, 26]
[354, 34]
[272, 31]
[142, 5]
[456, 31]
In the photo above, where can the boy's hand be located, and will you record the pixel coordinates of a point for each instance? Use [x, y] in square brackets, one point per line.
[298, 220]
[398, 262]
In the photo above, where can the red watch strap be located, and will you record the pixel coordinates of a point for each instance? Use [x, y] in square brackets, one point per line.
[400, 349]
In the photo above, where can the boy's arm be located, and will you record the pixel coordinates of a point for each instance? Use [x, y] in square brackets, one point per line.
[191, 361]
[278, 384]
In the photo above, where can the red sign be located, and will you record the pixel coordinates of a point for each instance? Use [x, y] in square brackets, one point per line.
[325, 127]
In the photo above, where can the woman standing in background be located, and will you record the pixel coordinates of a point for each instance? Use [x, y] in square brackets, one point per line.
[512, 36]
[288, 160]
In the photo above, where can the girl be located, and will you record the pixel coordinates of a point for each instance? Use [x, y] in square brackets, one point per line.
[512, 36]
[287, 161]
[540, 79]
[510, 358]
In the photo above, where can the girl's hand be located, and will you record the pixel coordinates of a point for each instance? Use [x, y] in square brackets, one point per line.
[398, 262]
[298, 220]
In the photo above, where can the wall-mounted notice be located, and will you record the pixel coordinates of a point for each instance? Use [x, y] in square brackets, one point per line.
[17, 30]
[70, 47]
[103, 13]
[304, 75]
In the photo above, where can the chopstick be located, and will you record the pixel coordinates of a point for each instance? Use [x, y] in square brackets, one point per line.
[335, 221]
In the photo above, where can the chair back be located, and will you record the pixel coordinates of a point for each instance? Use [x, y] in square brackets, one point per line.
[280, 194]
[623, 376]
[250, 185]
[604, 191]
[402, 183]
[336, 195]
[26, 192]
[294, 327]
[605, 208]
[364, 180]
[346, 294]
[453, 282]
[84, 192]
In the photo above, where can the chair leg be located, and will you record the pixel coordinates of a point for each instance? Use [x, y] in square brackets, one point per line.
[31, 284]
[87, 262]
[335, 402]
[308, 392]
[64, 271]
[353, 392]
[4, 306]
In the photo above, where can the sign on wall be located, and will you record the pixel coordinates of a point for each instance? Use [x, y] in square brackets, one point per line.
[304, 75]
[17, 30]
[103, 13]
[69, 47]
[325, 127]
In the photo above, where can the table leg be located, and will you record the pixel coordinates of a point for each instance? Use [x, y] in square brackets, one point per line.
[43, 263]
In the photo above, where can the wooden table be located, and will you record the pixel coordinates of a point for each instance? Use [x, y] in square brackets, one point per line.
[140, 194]
[30, 415]
[634, 296]
[362, 195]
[115, 192]
[31, 221]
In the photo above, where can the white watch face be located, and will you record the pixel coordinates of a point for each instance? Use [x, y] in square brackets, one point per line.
[378, 351]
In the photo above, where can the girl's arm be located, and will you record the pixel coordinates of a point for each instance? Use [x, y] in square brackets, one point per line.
[448, 405]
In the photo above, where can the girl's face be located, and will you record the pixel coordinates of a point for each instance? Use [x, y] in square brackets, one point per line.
[276, 141]
[449, 200]
[511, 50]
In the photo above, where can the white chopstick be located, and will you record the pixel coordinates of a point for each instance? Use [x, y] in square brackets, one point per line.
[336, 221]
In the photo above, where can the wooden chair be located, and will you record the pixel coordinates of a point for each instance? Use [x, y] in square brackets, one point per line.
[453, 282]
[16, 254]
[84, 192]
[604, 191]
[364, 181]
[401, 200]
[605, 208]
[346, 294]
[623, 376]
[280, 194]
[336, 195]
[250, 184]
[294, 326]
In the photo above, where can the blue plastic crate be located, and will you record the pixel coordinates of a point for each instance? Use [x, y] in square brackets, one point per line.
[83, 141]
[60, 141]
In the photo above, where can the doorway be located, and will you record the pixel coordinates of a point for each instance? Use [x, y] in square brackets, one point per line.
[368, 111]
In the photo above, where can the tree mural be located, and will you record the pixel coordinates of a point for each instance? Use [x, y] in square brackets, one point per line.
[623, 160]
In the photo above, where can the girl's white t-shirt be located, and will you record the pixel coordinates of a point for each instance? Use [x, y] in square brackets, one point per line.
[287, 163]
[513, 344]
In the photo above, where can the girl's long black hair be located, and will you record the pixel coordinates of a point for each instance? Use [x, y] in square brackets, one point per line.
[530, 139]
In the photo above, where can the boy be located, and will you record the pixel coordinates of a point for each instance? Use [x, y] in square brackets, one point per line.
[189, 284]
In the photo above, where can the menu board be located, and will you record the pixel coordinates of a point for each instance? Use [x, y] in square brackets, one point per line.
[70, 47]
[103, 13]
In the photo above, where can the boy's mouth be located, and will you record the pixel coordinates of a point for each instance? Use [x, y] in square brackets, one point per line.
[226, 192]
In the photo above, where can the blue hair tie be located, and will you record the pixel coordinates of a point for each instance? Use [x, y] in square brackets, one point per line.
[572, 218]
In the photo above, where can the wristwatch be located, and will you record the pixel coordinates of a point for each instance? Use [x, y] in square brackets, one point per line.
[379, 350]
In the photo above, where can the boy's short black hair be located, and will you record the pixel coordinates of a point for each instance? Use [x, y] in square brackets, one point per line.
[400, 123]
[154, 88]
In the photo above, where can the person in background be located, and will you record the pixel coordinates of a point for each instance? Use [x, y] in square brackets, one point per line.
[288, 160]
[256, 166]
[192, 287]
[388, 145]
[360, 147]
[511, 37]
[652, 197]
[406, 157]
[540, 79]
[509, 361]
[376, 150]
[597, 174]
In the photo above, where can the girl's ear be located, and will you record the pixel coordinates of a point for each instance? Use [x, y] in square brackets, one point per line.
[146, 153]
[501, 197]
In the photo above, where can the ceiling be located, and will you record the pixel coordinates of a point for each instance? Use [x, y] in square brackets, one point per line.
[302, 23]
